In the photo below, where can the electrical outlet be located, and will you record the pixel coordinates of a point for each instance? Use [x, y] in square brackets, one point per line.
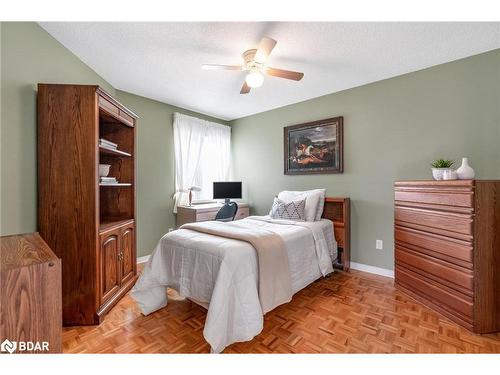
[379, 244]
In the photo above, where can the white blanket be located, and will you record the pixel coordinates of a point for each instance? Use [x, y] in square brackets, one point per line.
[275, 284]
[223, 274]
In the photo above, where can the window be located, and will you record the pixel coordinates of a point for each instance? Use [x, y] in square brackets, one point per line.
[202, 156]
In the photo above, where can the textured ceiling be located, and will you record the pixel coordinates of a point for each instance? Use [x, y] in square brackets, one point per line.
[162, 60]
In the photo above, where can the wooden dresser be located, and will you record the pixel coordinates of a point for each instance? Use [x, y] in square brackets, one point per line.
[88, 223]
[30, 308]
[205, 212]
[447, 248]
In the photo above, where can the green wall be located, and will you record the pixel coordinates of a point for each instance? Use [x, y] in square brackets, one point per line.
[393, 129]
[155, 167]
[29, 55]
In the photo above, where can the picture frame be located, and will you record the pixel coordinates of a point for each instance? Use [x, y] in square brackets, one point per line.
[315, 147]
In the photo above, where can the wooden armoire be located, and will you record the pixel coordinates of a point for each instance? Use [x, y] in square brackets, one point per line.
[447, 248]
[88, 224]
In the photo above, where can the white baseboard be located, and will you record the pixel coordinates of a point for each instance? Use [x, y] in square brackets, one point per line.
[143, 259]
[372, 269]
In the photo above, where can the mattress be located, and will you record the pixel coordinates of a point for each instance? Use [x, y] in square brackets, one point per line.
[221, 274]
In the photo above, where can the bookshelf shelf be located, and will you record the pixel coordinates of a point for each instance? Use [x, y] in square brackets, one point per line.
[109, 151]
[117, 184]
[113, 224]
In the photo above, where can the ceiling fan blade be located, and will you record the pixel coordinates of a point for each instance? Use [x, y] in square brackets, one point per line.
[221, 67]
[287, 74]
[265, 47]
[245, 89]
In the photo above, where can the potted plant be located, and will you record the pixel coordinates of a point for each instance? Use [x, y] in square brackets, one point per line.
[439, 166]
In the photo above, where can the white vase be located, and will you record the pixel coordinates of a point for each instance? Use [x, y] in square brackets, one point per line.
[465, 172]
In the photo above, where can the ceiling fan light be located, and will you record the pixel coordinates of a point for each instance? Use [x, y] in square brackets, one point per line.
[254, 78]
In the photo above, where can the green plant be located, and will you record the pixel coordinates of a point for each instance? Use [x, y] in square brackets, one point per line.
[442, 163]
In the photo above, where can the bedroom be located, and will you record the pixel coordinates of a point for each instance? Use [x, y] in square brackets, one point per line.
[327, 164]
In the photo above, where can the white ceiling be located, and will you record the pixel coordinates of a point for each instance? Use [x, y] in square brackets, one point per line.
[162, 60]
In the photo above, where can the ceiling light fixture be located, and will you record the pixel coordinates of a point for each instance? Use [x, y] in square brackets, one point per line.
[254, 78]
[254, 62]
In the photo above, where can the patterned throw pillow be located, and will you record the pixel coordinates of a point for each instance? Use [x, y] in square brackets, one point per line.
[294, 210]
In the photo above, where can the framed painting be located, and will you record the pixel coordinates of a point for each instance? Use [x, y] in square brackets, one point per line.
[314, 147]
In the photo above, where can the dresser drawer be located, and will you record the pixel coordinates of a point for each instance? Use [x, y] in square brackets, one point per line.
[448, 299]
[454, 225]
[441, 197]
[453, 250]
[453, 276]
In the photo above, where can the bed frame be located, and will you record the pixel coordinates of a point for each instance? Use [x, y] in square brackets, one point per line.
[338, 210]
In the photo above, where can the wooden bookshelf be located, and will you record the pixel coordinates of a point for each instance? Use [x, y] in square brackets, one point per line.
[89, 225]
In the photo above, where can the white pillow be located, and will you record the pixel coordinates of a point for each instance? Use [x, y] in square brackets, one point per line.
[321, 204]
[293, 210]
[314, 201]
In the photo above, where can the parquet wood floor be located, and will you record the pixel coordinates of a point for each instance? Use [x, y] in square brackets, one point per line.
[353, 312]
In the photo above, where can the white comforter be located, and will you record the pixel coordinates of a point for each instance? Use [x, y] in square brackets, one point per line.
[223, 274]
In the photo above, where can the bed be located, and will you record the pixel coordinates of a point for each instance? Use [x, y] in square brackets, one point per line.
[224, 274]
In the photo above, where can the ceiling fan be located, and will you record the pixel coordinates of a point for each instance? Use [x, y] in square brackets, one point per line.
[254, 61]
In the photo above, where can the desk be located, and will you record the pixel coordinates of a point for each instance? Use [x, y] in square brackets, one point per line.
[206, 211]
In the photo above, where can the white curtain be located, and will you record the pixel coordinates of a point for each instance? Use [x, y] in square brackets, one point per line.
[202, 155]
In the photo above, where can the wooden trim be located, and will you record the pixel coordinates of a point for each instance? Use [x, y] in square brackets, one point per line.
[97, 209]
[487, 257]
[338, 210]
[106, 95]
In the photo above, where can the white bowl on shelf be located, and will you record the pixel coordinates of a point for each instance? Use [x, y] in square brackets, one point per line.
[104, 170]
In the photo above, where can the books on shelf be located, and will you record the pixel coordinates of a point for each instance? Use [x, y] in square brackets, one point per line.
[108, 144]
[108, 180]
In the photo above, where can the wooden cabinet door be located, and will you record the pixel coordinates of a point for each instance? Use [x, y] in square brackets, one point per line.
[127, 247]
[110, 264]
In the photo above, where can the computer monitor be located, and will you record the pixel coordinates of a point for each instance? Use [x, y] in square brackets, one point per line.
[227, 190]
